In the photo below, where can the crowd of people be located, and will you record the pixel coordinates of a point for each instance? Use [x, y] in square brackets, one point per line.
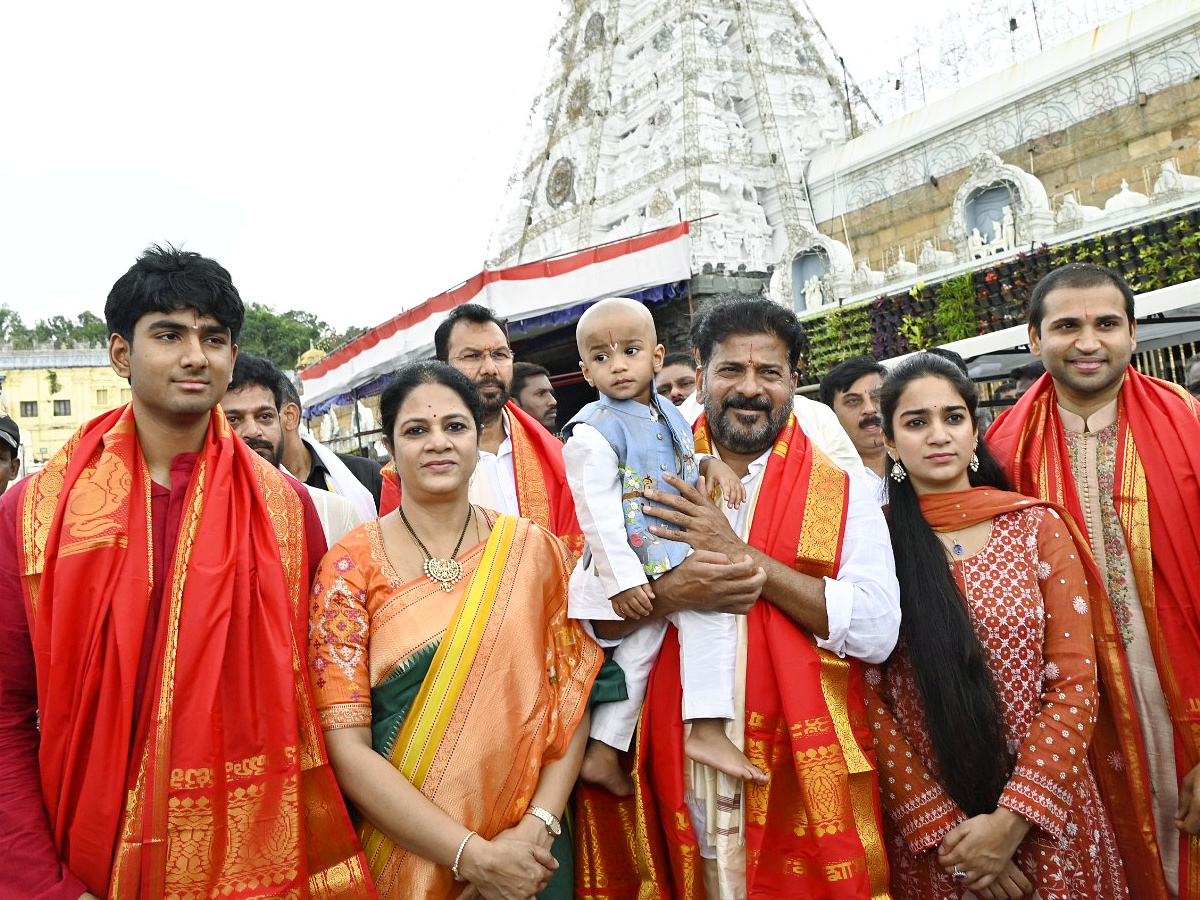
[710, 639]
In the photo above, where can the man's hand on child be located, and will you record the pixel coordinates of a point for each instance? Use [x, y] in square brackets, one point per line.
[724, 481]
[634, 603]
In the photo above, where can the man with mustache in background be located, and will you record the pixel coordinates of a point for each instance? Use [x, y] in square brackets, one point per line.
[851, 390]
[252, 406]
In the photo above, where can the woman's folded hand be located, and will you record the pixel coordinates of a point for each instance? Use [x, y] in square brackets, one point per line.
[507, 867]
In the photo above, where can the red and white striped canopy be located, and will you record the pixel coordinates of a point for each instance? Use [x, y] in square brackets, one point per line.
[516, 294]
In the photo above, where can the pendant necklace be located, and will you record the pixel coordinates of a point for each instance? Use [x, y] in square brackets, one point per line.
[957, 546]
[446, 572]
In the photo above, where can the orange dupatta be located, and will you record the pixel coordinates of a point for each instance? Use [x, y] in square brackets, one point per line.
[542, 490]
[814, 831]
[220, 785]
[1157, 495]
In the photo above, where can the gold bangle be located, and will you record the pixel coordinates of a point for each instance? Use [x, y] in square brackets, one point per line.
[458, 856]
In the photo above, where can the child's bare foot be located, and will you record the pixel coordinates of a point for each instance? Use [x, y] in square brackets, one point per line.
[601, 766]
[708, 744]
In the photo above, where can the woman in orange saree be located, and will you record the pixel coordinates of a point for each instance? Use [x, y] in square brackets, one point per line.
[450, 684]
[983, 715]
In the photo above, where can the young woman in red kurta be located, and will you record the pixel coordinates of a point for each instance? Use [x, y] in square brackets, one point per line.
[983, 714]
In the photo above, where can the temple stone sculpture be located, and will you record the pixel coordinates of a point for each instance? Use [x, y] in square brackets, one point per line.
[901, 268]
[932, 258]
[1125, 199]
[865, 277]
[1072, 214]
[1170, 183]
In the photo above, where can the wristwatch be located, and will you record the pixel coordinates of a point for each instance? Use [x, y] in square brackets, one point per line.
[553, 826]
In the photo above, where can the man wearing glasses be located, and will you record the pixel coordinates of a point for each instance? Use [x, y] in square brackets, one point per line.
[520, 469]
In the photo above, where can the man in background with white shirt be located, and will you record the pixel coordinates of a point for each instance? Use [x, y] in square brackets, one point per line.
[520, 469]
[851, 390]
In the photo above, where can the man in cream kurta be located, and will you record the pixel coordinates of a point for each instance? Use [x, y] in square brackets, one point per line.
[1082, 325]
[1092, 446]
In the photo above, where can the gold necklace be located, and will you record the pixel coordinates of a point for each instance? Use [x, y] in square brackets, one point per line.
[446, 572]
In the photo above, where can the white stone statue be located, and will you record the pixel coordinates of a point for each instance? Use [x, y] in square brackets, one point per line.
[932, 258]
[902, 266]
[1171, 181]
[864, 276]
[976, 244]
[814, 293]
[996, 245]
[1126, 199]
[1072, 213]
[1010, 227]
[756, 250]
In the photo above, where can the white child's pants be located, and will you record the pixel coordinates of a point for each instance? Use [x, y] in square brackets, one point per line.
[707, 662]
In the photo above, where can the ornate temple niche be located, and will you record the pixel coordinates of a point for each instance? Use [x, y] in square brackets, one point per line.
[560, 186]
[998, 209]
[593, 33]
[819, 273]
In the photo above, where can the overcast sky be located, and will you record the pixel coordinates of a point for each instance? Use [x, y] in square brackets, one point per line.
[345, 159]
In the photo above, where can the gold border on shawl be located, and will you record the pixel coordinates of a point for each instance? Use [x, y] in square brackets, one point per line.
[37, 515]
[643, 854]
[1135, 522]
[835, 680]
[417, 744]
[824, 509]
[127, 859]
[286, 514]
[154, 865]
[824, 512]
[532, 499]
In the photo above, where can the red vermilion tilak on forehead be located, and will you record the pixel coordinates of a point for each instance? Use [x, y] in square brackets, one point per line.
[612, 341]
[751, 354]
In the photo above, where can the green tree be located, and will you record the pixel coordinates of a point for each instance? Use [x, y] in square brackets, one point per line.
[12, 329]
[91, 329]
[280, 337]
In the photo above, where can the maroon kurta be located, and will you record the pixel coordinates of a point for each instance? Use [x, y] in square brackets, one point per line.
[32, 866]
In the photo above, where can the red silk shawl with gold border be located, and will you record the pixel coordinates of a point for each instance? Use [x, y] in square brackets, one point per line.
[814, 831]
[219, 785]
[1157, 495]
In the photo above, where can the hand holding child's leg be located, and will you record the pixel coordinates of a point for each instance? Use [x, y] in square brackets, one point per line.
[634, 603]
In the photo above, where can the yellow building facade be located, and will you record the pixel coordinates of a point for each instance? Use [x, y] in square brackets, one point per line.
[50, 393]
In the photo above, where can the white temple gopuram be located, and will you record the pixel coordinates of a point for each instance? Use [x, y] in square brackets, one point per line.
[655, 112]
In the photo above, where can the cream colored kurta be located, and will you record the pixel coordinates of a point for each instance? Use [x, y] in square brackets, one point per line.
[1092, 446]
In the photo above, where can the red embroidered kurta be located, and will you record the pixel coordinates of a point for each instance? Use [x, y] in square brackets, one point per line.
[1028, 599]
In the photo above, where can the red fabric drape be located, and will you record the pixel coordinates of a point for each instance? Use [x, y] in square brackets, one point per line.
[812, 832]
[1157, 495]
[221, 783]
